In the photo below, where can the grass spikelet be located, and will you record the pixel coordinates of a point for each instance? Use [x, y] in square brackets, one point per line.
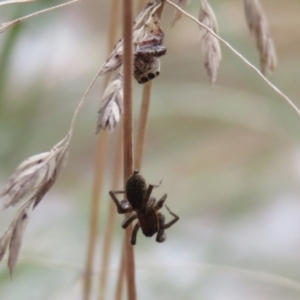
[111, 105]
[36, 172]
[31, 181]
[177, 13]
[12, 238]
[258, 26]
[211, 51]
[18, 228]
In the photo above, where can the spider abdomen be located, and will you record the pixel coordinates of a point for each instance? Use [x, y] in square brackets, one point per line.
[136, 188]
[148, 222]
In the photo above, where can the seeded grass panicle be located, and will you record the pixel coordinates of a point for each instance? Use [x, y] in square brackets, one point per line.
[258, 26]
[211, 51]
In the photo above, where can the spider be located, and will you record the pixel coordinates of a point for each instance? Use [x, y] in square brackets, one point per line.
[146, 61]
[143, 208]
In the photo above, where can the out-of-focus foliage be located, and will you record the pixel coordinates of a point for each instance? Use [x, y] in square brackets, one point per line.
[229, 156]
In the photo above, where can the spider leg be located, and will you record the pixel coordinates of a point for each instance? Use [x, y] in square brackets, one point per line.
[156, 50]
[122, 206]
[149, 191]
[161, 236]
[160, 202]
[134, 233]
[119, 192]
[151, 202]
[176, 218]
[128, 220]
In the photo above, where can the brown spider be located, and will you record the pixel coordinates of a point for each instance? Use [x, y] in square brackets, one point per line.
[146, 58]
[143, 208]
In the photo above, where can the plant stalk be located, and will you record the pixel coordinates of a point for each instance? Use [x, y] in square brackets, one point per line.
[127, 136]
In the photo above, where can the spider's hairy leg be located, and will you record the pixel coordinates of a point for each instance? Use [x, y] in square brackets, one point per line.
[134, 233]
[149, 191]
[119, 192]
[128, 220]
[151, 202]
[156, 51]
[161, 236]
[160, 202]
[176, 218]
[122, 206]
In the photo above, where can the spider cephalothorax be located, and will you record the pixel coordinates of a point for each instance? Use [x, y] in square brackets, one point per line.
[143, 208]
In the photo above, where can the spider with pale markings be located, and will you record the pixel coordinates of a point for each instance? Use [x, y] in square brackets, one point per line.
[146, 58]
[144, 208]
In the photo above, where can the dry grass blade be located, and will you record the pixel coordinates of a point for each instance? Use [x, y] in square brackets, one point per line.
[7, 25]
[18, 228]
[211, 51]
[111, 105]
[258, 26]
[15, 2]
[177, 13]
[36, 175]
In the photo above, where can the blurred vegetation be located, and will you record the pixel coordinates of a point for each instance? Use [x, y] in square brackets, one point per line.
[229, 156]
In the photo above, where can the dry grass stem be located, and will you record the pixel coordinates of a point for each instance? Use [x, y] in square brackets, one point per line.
[276, 89]
[177, 13]
[102, 146]
[211, 51]
[140, 140]
[117, 169]
[258, 26]
[127, 135]
[121, 274]
[15, 2]
[7, 25]
[94, 213]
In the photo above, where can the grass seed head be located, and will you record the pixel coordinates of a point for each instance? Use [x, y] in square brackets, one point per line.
[258, 26]
[211, 51]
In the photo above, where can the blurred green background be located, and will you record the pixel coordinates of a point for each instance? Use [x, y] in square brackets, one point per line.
[229, 156]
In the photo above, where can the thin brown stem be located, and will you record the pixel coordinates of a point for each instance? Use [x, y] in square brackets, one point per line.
[139, 145]
[119, 289]
[102, 146]
[95, 205]
[127, 135]
[110, 221]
